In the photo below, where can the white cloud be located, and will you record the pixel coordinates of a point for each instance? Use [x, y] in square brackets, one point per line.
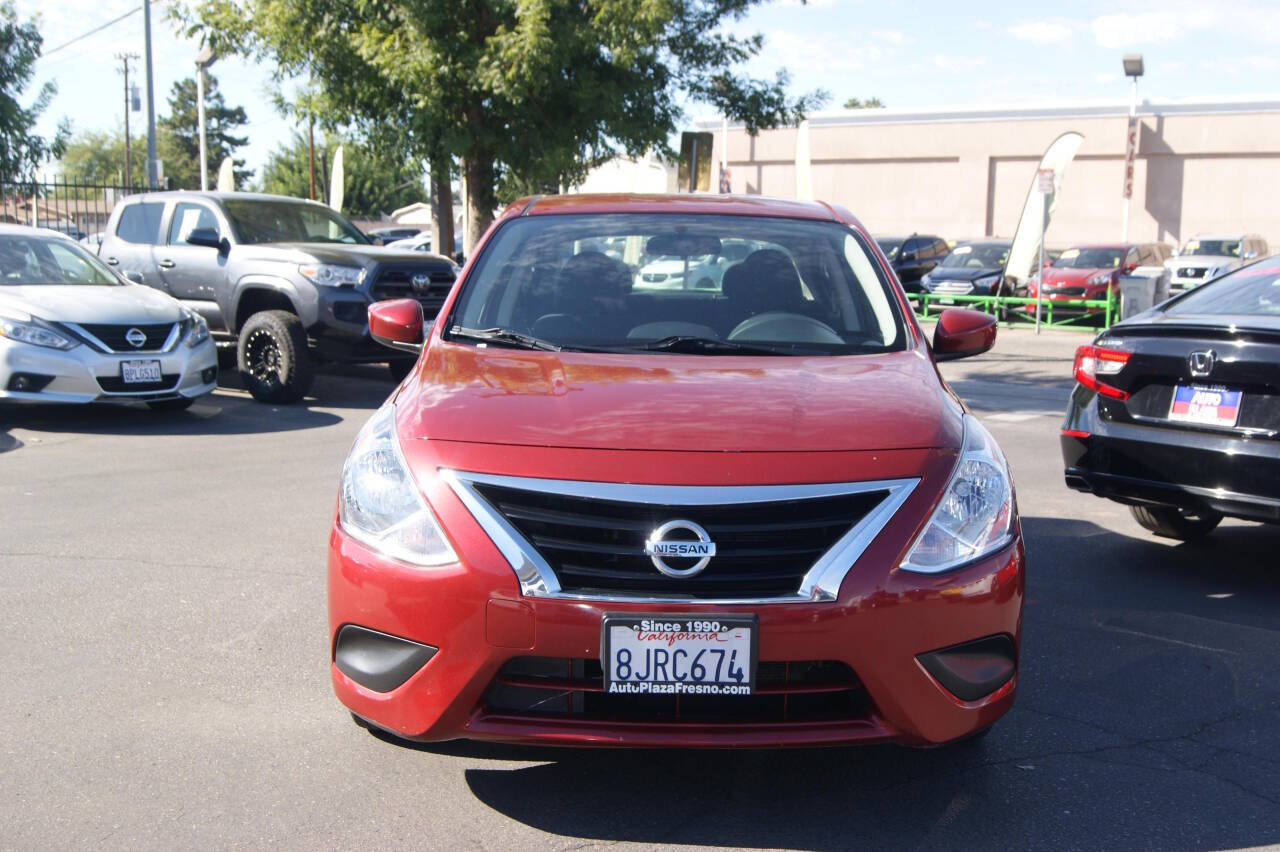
[1128, 29]
[893, 36]
[959, 63]
[1052, 31]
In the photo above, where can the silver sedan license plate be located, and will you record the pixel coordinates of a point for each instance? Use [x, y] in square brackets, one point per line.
[140, 372]
[679, 654]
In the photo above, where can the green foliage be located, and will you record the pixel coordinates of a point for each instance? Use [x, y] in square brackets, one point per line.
[178, 140]
[377, 181]
[22, 152]
[858, 103]
[95, 157]
[525, 92]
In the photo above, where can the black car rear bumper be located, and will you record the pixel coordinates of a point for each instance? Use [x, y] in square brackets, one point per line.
[1148, 465]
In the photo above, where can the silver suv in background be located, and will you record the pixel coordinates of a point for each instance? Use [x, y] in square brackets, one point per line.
[288, 281]
[1207, 256]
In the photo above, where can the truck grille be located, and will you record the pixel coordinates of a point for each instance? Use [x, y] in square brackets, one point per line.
[396, 282]
[1192, 271]
[114, 336]
[786, 692]
[594, 546]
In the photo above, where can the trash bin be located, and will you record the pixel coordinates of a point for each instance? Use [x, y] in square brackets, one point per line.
[1138, 293]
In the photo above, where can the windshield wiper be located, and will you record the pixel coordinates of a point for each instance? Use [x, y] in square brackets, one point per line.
[505, 337]
[709, 346]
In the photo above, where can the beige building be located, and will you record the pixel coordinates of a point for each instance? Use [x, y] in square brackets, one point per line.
[1203, 165]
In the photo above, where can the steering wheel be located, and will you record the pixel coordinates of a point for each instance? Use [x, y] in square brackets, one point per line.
[782, 327]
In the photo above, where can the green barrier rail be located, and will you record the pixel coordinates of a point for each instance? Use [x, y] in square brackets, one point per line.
[1083, 316]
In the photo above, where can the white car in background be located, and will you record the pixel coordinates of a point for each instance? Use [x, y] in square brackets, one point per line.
[1208, 256]
[71, 330]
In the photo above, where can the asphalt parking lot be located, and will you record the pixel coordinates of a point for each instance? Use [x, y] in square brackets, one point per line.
[167, 659]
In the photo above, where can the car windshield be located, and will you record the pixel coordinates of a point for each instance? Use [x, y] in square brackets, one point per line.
[890, 247]
[977, 256]
[746, 285]
[1253, 289]
[27, 259]
[262, 221]
[1090, 258]
[1216, 248]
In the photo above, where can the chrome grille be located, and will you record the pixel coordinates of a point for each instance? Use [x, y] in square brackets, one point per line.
[113, 338]
[396, 282]
[953, 288]
[1192, 271]
[585, 540]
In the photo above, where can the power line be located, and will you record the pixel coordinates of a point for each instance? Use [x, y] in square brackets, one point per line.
[93, 31]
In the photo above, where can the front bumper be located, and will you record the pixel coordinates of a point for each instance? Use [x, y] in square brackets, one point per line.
[83, 375]
[475, 620]
[1197, 470]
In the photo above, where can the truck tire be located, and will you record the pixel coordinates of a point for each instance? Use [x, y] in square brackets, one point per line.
[1171, 522]
[273, 358]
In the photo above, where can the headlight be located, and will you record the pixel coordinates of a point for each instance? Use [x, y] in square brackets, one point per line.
[987, 282]
[975, 514]
[332, 275]
[35, 333]
[198, 329]
[1100, 278]
[381, 505]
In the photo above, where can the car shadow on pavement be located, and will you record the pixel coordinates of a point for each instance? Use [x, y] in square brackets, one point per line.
[228, 411]
[1145, 717]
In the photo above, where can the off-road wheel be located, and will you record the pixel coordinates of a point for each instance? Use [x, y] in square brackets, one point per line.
[272, 357]
[1171, 522]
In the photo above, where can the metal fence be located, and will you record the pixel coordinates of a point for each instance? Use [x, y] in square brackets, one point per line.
[77, 208]
[1081, 314]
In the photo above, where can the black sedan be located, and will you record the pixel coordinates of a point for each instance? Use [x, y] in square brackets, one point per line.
[972, 268]
[913, 256]
[1176, 412]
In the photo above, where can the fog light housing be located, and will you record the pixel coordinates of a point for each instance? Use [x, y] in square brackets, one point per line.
[973, 670]
[28, 382]
[208, 374]
[378, 661]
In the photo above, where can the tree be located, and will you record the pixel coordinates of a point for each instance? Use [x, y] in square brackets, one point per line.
[526, 92]
[21, 150]
[178, 135]
[377, 181]
[858, 103]
[98, 157]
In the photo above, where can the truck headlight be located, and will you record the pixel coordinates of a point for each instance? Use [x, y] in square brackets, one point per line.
[381, 505]
[975, 514]
[36, 333]
[332, 275]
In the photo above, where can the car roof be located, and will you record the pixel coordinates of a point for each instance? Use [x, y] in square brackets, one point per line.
[1235, 236]
[27, 230]
[1116, 246]
[705, 203]
[217, 196]
[988, 242]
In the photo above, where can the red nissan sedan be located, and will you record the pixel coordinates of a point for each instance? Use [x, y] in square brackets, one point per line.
[743, 513]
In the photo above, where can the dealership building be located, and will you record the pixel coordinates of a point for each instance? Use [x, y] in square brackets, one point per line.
[1203, 165]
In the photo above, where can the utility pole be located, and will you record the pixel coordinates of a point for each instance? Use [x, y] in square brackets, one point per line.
[125, 59]
[153, 178]
[311, 154]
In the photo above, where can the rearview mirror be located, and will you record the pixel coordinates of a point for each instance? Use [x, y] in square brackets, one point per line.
[206, 237]
[961, 333]
[397, 323]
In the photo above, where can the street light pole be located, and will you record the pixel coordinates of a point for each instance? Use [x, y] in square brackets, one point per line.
[204, 59]
[153, 178]
[1133, 69]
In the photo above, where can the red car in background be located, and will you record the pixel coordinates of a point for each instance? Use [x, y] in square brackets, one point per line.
[596, 514]
[1091, 271]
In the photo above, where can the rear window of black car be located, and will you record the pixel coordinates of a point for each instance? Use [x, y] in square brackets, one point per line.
[1253, 289]
[140, 223]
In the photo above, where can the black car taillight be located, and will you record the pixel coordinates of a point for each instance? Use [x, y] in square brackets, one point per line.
[1093, 362]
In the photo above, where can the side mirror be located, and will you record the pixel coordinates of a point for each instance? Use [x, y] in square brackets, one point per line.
[206, 237]
[397, 323]
[961, 332]
[1129, 267]
[908, 255]
[135, 277]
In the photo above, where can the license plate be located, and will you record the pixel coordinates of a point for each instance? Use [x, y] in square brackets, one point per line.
[140, 372]
[1208, 406]
[679, 654]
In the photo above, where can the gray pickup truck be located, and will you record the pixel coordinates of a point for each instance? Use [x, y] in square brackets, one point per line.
[288, 281]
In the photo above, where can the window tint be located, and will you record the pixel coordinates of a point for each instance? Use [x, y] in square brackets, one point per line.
[1253, 289]
[913, 245]
[260, 221]
[140, 223]
[27, 260]
[940, 248]
[186, 218]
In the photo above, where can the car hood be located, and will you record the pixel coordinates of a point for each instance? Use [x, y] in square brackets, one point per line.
[81, 303]
[348, 255]
[679, 402]
[962, 273]
[1071, 277]
[1199, 260]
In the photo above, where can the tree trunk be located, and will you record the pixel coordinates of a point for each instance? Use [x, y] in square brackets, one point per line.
[481, 198]
[441, 208]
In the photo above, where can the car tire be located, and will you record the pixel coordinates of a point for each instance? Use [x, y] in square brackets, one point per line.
[272, 357]
[171, 404]
[1171, 522]
[400, 367]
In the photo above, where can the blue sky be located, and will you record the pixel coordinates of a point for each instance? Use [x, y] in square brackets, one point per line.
[919, 54]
